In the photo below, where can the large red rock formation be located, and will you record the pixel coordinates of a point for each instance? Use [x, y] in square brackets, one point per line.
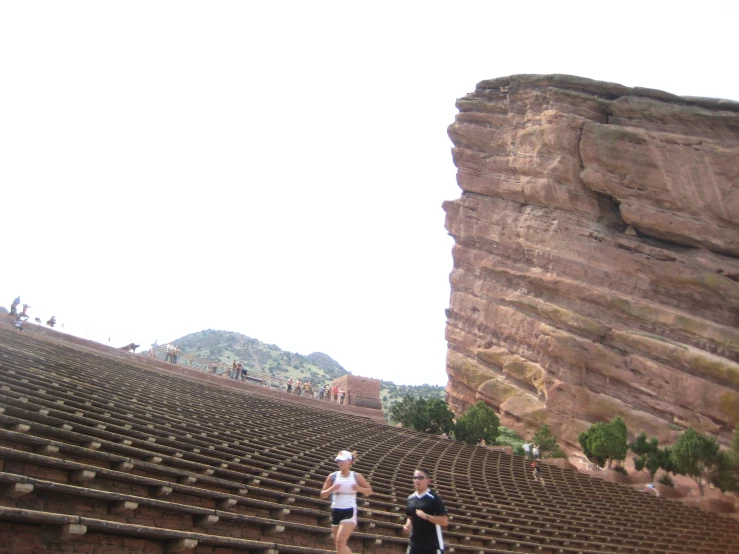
[596, 263]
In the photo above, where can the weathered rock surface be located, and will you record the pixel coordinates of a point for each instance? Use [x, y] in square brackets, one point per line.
[596, 257]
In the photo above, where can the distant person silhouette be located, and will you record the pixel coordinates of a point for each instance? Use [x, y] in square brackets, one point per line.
[650, 488]
[537, 473]
[526, 449]
[23, 315]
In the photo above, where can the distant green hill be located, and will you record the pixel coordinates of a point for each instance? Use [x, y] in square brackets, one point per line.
[257, 356]
[317, 367]
[325, 361]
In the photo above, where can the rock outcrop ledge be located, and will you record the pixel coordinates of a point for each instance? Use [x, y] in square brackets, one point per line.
[596, 257]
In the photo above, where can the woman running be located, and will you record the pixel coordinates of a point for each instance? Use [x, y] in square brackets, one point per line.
[343, 486]
[537, 473]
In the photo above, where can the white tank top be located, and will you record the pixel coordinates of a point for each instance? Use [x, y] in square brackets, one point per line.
[346, 496]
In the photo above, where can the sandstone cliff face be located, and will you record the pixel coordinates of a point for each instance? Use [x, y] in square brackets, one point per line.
[596, 257]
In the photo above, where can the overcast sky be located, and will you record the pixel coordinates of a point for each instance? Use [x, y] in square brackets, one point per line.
[278, 168]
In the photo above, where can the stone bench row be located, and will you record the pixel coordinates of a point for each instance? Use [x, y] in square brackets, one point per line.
[210, 517]
[400, 452]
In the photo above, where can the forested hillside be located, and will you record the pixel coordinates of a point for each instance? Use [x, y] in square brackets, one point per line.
[390, 393]
[317, 367]
[259, 357]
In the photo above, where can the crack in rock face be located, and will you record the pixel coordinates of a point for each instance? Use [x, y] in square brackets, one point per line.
[596, 257]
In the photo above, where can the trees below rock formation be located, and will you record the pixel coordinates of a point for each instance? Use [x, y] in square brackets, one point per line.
[426, 416]
[695, 455]
[479, 423]
[605, 443]
[649, 456]
[699, 457]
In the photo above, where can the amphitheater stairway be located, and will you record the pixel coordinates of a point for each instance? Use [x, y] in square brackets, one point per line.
[101, 454]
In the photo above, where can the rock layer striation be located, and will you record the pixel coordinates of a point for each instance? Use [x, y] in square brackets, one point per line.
[596, 257]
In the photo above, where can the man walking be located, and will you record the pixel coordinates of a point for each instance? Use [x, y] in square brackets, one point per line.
[526, 449]
[426, 516]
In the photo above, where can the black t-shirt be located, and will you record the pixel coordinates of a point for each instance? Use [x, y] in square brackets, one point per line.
[426, 535]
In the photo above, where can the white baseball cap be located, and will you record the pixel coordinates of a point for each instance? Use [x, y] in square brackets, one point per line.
[344, 456]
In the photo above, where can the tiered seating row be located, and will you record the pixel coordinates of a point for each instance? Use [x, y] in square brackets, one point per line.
[88, 441]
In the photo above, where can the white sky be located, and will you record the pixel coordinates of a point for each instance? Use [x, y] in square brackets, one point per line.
[278, 168]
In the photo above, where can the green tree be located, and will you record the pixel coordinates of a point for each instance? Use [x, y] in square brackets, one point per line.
[405, 411]
[584, 439]
[480, 422]
[431, 416]
[605, 442]
[440, 418]
[698, 456]
[723, 475]
[734, 450]
[547, 442]
[648, 454]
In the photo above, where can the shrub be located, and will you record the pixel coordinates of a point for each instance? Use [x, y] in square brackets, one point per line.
[621, 470]
[480, 422]
[665, 479]
[649, 456]
[558, 453]
[546, 441]
[508, 437]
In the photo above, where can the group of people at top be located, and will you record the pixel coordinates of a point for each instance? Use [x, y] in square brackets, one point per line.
[425, 510]
[530, 449]
[172, 352]
[237, 371]
[326, 392]
[338, 394]
[22, 316]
